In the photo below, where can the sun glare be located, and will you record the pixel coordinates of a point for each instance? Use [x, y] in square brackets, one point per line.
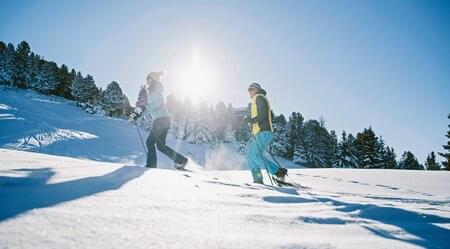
[198, 76]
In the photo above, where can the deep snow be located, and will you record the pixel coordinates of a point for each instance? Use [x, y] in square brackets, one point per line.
[89, 194]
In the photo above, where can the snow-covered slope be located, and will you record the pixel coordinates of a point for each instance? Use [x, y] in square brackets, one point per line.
[59, 202]
[53, 125]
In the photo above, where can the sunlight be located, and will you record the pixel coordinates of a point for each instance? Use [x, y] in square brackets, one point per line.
[197, 76]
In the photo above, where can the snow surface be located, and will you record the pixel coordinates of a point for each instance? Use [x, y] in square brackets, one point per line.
[82, 190]
[59, 202]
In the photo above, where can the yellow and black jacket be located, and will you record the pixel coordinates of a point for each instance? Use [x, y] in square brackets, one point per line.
[260, 113]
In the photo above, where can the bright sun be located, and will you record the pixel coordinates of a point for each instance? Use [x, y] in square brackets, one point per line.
[197, 76]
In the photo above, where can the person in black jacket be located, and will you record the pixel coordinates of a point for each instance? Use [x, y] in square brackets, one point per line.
[262, 130]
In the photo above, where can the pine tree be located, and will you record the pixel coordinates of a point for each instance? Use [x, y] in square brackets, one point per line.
[389, 158]
[7, 65]
[280, 144]
[45, 80]
[219, 120]
[446, 154]
[114, 101]
[20, 64]
[384, 156]
[198, 130]
[312, 149]
[83, 89]
[346, 154]
[368, 147]
[127, 110]
[409, 161]
[2, 47]
[295, 125]
[33, 64]
[332, 150]
[430, 163]
[65, 81]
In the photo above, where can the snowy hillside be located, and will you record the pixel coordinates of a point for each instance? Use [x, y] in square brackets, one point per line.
[52, 125]
[59, 202]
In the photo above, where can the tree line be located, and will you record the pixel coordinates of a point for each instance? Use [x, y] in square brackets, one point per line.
[310, 144]
[22, 68]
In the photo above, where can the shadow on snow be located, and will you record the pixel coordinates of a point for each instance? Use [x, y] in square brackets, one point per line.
[423, 226]
[20, 194]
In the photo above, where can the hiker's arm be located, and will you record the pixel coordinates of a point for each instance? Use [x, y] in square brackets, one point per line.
[262, 110]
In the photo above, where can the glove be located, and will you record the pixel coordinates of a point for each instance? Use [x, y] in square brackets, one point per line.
[138, 110]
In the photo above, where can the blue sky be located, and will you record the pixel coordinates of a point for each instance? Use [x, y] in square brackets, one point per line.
[384, 64]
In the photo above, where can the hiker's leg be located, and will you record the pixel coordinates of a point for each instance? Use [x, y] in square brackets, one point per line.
[166, 150]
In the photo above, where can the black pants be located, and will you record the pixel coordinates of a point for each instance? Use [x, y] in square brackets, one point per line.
[157, 138]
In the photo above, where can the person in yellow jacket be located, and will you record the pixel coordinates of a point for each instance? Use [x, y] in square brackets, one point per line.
[261, 126]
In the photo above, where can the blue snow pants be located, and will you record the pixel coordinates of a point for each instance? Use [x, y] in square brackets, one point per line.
[256, 159]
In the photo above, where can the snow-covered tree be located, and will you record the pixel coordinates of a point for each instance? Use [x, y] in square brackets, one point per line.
[114, 101]
[45, 79]
[346, 154]
[368, 147]
[33, 64]
[431, 163]
[2, 47]
[20, 64]
[332, 150]
[65, 79]
[220, 118]
[389, 158]
[280, 144]
[198, 131]
[382, 157]
[409, 161]
[83, 89]
[7, 58]
[446, 154]
[295, 125]
[312, 149]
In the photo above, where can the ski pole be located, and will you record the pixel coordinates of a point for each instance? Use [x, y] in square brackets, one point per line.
[264, 160]
[273, 157]
[142, 141]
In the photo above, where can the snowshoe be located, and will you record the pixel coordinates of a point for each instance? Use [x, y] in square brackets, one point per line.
[286, 183]
[182, 165]
[281, 174]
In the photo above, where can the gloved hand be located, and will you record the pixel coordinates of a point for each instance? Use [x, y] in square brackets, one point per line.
[138, 110]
